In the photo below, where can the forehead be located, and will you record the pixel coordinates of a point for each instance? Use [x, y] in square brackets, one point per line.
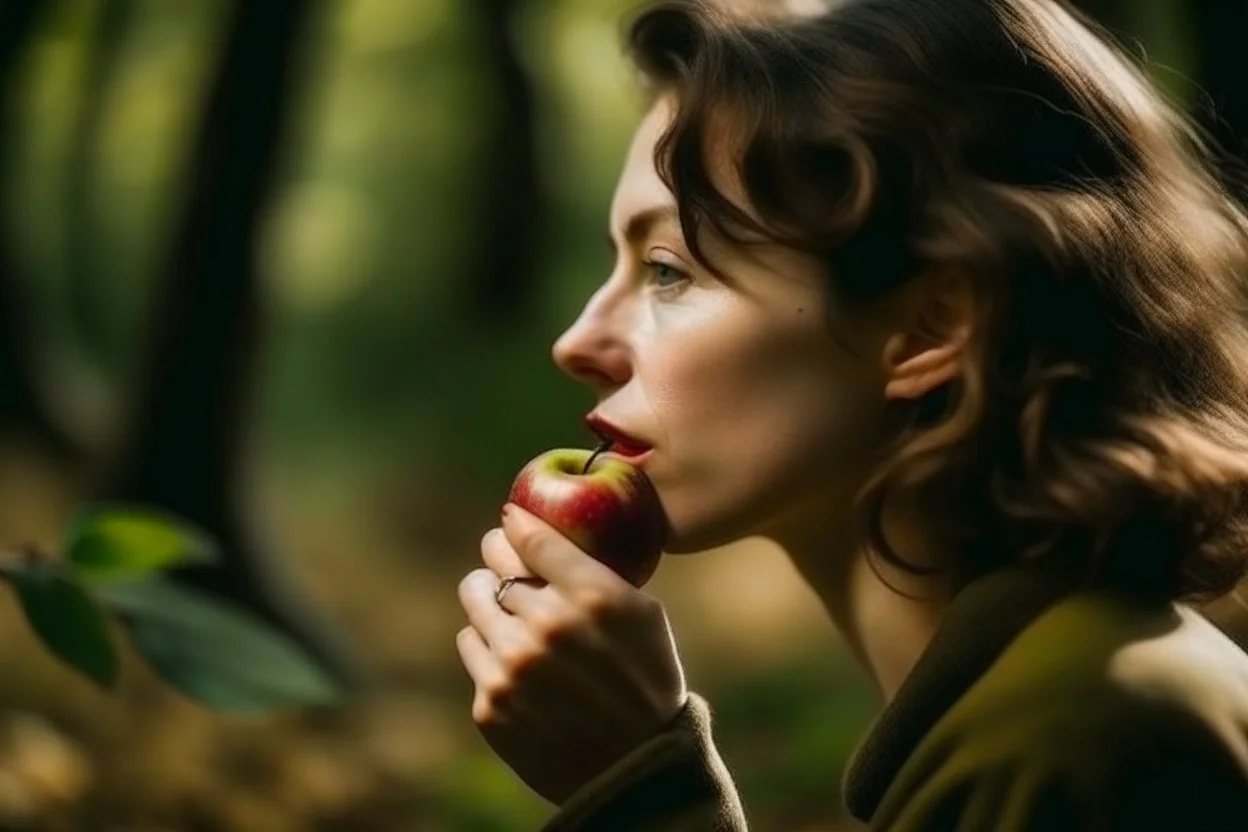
[640, 181]
[639, 187]
[641, 191]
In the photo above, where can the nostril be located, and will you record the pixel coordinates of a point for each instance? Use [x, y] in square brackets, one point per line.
[589, 363]
[591, 373]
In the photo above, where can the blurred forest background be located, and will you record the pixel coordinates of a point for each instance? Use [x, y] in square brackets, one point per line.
[293, 269]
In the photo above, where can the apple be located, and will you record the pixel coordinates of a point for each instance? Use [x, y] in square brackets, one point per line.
[605, 505]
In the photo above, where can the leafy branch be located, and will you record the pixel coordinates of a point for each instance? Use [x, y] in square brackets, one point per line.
[112, 565]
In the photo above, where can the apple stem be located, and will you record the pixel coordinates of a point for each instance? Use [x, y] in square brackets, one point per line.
[606, 443]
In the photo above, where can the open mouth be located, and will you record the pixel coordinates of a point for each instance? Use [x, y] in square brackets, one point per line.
[622, 444]
[628, 451]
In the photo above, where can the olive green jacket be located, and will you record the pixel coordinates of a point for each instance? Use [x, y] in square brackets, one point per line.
[1034, 707]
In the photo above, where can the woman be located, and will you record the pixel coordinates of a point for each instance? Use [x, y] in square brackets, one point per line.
[941, 297]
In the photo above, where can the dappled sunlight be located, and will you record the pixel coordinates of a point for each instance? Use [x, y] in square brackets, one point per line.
[401, 375]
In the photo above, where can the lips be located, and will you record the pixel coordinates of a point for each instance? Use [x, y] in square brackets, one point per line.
[621, 443]
[628, 451]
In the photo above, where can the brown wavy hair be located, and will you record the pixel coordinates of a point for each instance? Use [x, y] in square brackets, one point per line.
[1101, 415]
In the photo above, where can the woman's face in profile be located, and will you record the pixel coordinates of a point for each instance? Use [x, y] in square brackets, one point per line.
[755, 416]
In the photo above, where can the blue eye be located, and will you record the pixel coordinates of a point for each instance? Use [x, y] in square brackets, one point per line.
[662, 271]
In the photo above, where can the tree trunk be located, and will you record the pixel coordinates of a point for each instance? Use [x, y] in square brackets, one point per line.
[84, 294]
[511, 201]
[183, 445]
[24, 413]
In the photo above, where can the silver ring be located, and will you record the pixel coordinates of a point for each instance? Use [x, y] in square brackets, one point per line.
[503, 586]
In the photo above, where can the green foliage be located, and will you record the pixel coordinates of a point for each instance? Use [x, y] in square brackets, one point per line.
[108, 543]
[67, 620]
[208, 649]
[215, 652]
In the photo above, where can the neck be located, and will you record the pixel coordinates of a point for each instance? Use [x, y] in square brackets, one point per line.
[885, 631]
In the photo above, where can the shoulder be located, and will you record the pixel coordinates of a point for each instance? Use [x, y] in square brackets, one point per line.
[1102, 663]
[1104, 712]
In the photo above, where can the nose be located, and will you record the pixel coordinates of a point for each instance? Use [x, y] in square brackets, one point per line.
[593, 349]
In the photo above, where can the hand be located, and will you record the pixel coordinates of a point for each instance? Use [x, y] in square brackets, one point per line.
[577, 671]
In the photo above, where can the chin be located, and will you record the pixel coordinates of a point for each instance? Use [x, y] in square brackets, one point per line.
[696, 527]
[686, 538]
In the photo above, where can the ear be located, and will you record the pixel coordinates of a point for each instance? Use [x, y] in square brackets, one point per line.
[927, 351]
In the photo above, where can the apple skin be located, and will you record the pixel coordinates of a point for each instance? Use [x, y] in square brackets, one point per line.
[612, 512]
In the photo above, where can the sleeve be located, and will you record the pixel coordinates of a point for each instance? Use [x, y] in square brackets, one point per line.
[676, 782]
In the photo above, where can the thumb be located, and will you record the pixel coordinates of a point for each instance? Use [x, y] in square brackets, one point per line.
[550, 554]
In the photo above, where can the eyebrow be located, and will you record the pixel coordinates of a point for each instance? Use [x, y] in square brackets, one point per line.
[639, 224]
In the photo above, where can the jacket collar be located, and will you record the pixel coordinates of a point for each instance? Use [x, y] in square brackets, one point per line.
[981, 621]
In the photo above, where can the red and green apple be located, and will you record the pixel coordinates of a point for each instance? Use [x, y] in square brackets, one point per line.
[602, 503]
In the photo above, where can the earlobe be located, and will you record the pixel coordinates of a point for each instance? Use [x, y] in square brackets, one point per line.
[936, 321]
[914, 375]
[926, 350]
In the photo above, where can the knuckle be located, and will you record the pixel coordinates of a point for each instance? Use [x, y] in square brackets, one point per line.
[647, 606]
[518, 657]
[495, 693]
[526, 538]
[485, 710]
[597, 602]
[651, 615]
[553, 627]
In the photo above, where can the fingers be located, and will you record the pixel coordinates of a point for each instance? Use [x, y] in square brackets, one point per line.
[477, 658]
[476, 596]
[486, 673]
[520, 598]
[496, 672]
[553, 557]
[524, 600]
[497, 554]
[496, 686]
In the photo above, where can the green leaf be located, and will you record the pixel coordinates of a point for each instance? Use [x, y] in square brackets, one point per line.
[67, 620]
[215, 652]
[119, 542]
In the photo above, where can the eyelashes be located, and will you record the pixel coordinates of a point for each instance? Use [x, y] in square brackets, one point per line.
[661, 271]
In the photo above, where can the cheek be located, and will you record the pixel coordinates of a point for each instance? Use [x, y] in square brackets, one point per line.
[753, 422]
